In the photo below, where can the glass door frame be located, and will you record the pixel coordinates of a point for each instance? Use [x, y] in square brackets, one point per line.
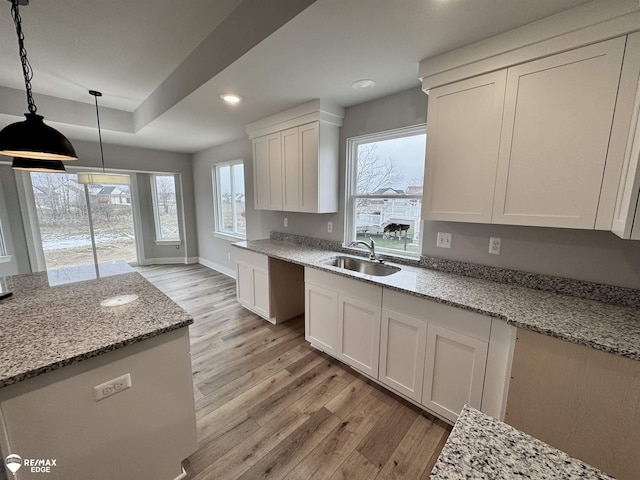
[32, 227]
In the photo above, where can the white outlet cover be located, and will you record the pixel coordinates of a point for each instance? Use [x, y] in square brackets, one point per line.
[443, 240]
[286, 222]
[495, 244]
[329, 227]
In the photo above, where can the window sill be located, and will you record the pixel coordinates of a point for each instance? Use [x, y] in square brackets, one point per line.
[387, 254]
[229, 237]
[169, 242]
[6, 258]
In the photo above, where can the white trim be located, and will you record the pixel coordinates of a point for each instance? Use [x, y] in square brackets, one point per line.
[217, 267]
[182, 475]
[156, 208]
[228, 237]
[585, 24]
[27, 204]
[350, 185]
[6, 258]
[137, 218]
[168, 242]
[217, 200]
[317, 110]
[169, 261]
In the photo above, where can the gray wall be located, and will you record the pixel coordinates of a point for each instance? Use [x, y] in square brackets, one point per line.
[585, 255]
[125, 158]
[213, 250]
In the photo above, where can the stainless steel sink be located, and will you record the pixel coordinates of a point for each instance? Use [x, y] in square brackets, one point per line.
[362, 266]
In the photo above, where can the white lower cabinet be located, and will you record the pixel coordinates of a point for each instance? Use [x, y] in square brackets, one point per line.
[252, 283]
[359, 333]
[402, 353]
[454, 371]
[320, 317]
[342, 318]
[438, 356]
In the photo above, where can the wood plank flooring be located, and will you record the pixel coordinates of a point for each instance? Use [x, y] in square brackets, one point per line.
[268, 406]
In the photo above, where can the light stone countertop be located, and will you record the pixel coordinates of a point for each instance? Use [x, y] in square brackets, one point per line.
[481, 447]
[43, 327]
[611, 328]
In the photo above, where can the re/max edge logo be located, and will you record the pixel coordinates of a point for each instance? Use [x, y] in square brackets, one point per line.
[36, 465]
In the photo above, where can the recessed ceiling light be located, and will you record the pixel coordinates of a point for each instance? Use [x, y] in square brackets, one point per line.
[364, 84]
[231, 98]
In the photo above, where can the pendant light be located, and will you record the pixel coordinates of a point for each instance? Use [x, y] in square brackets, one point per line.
[88, 178]
[34, 165]
[32, 138]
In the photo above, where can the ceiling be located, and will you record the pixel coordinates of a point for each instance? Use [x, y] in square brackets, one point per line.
[162, 67]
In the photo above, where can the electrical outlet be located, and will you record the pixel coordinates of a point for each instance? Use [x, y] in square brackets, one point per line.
[286, 222]
[329, 227]
[494, 245]
[228, 255]
[443, 240]
[111, 387]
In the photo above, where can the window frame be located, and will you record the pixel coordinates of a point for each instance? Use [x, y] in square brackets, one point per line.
[351, 195]
[218, 223]
[155, 200]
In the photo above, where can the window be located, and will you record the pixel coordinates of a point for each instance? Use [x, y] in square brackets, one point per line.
[165, 208]
[228, 200]
[385, 176]
[3, 248]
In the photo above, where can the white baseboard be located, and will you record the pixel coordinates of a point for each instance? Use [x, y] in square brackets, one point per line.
[216, 266]
[169, 261]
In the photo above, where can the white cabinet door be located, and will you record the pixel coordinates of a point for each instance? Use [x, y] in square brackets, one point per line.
[359, 334]
[260, 278]
[463, 137]
[309, 180]
[555, 135]
[291, 170]
[454, 371]
[274, 151]
[321, 317]
[402, 353]
[244, 284]
[261, 173]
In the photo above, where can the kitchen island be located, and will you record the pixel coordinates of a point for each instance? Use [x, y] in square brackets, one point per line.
[95, 375]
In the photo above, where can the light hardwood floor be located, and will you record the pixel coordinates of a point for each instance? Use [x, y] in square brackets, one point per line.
[268, 406]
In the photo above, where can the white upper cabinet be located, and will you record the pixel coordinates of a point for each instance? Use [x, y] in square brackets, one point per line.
[463, 137]
[527, 145]
[626, 219]
[300, 173]
[267, 172]
[555, 136]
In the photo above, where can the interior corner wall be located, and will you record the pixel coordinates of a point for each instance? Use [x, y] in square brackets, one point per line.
[214, 251]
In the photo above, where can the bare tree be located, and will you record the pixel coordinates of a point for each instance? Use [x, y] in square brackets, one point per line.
[166, 190]
[373, 172]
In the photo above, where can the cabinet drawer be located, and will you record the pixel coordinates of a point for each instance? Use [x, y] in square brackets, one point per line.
[256, 259]
[456, 319]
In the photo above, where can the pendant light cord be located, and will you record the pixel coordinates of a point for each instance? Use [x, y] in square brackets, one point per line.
[95, 95]
[26, 66]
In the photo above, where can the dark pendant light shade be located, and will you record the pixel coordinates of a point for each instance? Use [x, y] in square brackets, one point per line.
[32, 138]
[33, 165]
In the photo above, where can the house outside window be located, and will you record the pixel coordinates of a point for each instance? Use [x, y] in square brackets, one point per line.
[384, 189]
[229, 200]
[165, 207]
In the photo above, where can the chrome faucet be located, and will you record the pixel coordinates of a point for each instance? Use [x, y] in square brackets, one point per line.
[372, 249]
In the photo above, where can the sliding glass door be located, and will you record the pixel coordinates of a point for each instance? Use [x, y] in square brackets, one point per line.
[65, 219]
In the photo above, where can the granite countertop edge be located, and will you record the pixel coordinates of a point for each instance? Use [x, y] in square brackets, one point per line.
[480, 446]
[512, 315]
[34, 372]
